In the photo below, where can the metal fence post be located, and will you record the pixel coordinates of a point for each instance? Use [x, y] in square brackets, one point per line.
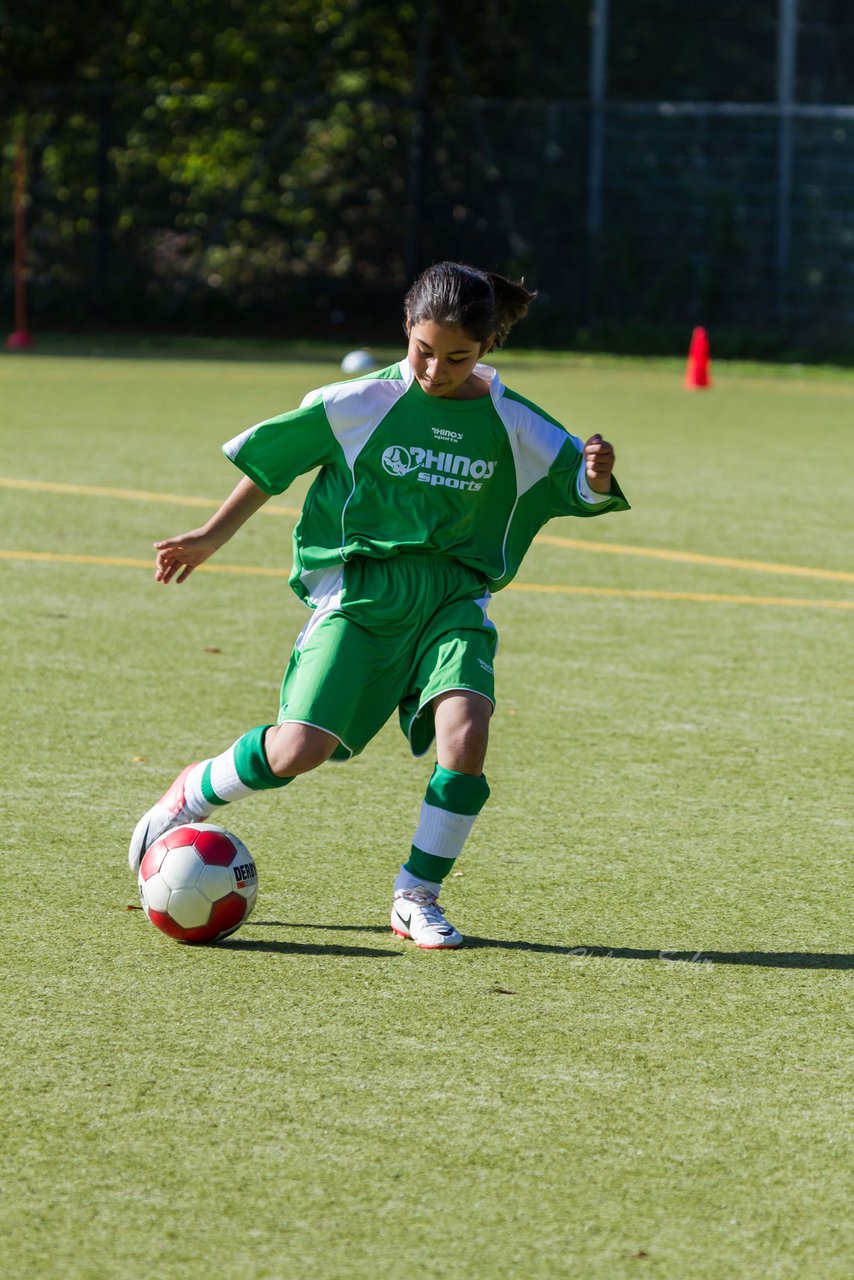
[787, 37]
[417, 150]
[596, 153]
[103, 218]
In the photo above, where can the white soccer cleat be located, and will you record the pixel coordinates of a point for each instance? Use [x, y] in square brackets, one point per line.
[170, 811]
[415, 914]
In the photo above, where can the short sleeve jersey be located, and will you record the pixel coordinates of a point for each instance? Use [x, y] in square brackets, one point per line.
[405, 472]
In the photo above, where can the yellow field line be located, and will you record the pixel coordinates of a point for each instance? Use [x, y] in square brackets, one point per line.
[702, 597]
[138, 495]
[128, 562]
[692, 557]
[547, 539]
[257, 571]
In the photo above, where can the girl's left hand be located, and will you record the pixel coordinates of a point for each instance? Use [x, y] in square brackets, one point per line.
[599, 460]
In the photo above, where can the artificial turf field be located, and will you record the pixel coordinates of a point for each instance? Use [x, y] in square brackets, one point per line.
[640, 1063]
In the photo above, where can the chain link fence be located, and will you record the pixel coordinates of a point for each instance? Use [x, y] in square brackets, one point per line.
[638, 207]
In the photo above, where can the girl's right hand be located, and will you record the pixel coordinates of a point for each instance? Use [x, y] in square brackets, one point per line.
[184, 553]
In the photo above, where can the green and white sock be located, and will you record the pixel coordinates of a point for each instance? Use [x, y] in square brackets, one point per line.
[237, 772]
[451, 804]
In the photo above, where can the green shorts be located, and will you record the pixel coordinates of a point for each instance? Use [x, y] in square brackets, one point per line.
[389, 634]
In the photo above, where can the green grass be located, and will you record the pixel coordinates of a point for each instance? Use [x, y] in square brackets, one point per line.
[639, 1065]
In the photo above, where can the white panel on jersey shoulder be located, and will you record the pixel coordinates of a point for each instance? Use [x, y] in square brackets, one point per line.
[355, 409]
[232, 447]
[535, 441]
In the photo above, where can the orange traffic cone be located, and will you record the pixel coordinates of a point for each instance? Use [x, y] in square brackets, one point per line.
[697, 372]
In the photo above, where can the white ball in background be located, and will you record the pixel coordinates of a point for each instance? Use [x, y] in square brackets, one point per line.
[360, 361]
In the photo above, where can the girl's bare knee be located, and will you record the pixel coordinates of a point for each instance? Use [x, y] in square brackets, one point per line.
[462, 731]
[464, 751]
[293, 748]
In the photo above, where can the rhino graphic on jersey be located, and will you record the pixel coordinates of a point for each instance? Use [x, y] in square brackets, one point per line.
[453, 470]
[397, 461]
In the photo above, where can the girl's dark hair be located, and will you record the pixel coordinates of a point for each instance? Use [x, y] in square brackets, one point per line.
[481, 303]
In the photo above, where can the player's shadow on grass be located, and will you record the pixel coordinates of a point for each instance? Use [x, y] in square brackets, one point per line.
[328, 928]
[759, 959]
[306, 948]
[311, 948]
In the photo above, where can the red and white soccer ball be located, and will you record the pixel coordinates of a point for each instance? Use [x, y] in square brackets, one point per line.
[198, 883]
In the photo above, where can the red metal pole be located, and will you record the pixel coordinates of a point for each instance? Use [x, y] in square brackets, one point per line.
[21, 338]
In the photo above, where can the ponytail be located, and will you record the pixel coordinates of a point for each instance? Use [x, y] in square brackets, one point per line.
[512, 300]
[483, 304]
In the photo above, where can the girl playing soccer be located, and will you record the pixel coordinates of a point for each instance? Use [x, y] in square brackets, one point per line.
[434, 479]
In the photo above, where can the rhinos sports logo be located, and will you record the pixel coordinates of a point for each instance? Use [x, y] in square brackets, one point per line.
[452, 470]
[397, 461]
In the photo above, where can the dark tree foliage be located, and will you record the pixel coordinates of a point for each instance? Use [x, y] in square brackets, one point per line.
[227, 154]
[289, 160]
[508, 48]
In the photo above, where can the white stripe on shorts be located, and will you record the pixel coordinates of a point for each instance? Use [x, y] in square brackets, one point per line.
[325, 588]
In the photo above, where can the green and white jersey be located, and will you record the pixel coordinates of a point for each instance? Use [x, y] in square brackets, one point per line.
[405, 472]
